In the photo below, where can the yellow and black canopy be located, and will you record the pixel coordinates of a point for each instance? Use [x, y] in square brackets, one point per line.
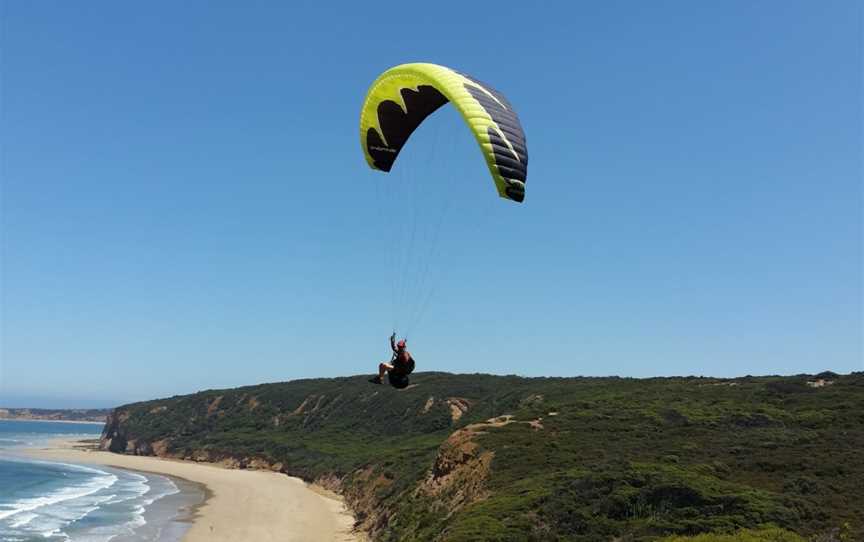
[401, 97]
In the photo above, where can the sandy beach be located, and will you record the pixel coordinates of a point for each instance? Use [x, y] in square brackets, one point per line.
[242, 505]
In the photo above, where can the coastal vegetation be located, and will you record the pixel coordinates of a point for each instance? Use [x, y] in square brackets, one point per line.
[482, 457]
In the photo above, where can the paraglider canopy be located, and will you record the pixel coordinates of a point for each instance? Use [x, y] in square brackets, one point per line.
[403, 96]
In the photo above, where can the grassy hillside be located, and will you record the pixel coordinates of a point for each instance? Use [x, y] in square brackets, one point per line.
[480, 457]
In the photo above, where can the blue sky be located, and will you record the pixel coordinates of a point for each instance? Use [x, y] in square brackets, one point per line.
[185, 204]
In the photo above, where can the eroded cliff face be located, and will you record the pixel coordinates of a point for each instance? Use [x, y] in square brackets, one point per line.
[114, 434]
[460, 470]
[455, 479]
[115, 438]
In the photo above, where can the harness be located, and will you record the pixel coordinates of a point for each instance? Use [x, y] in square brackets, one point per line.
[403, 362]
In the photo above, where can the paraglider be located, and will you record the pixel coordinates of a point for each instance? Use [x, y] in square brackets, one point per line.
[401, 365]
[398, 101]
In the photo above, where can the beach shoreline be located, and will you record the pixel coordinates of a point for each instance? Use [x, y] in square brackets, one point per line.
[253, 505]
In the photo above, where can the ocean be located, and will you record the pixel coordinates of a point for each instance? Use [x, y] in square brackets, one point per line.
[52, 501]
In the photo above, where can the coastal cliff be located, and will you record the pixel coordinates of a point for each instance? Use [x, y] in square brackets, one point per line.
[480, 457]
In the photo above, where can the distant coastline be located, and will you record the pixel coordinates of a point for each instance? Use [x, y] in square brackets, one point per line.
[70, 415]
[13, 419]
